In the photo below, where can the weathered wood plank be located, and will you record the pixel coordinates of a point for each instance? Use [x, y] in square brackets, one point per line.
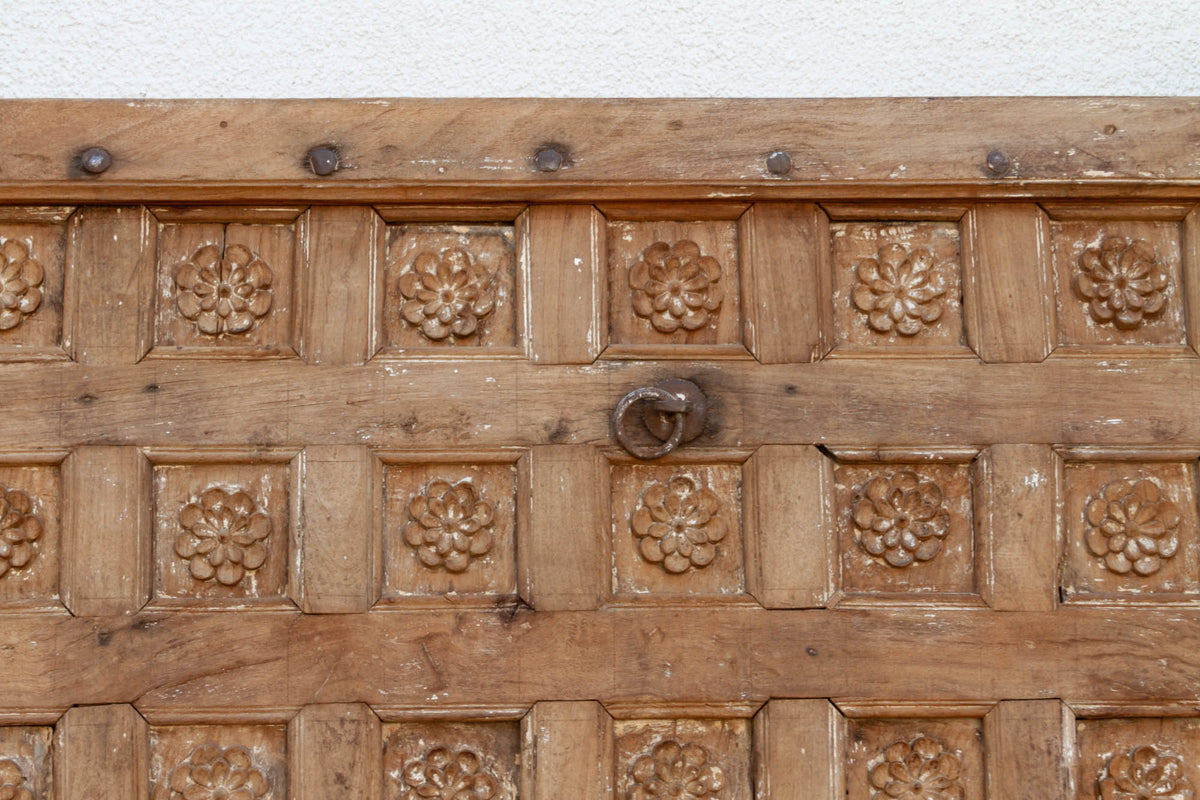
[445, 659]
[494, 141]
[501, 403]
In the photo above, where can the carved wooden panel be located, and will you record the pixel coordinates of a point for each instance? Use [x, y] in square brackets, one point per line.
[677, 532]
[450, 529]
[907, 528]
[30, 535]
[657, 759]
[450, 286]
[1130, 528]
[223, 527]
[898, 283]
[1138, 757]
[227, 283]
[34, 319]
[220, 762]
[673, 283]
[451, 760]
[26, 762]
[1119, 280]
[919, 758]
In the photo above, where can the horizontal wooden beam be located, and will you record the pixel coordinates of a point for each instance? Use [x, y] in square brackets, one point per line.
[433, 150]
[173, 662]
[499, 403]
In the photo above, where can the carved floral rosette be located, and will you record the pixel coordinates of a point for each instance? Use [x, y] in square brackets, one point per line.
[1132, 527]
[224, 535]
[919, 770]
[21, 278]
[1122, 281]
[676, 286]
[676, 771]
[901, 518]
[20, 529]
[13, 783]
[900, 290]
[223, 292]
[678, 524]
[215, 773]
[1143, 773]
[449, 525]
[447, 294]
[446, 774]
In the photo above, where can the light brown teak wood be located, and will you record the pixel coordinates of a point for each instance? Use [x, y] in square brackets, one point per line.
[309, 488]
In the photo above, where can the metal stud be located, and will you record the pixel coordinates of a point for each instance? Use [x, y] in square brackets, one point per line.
[998, 163]
[323, 160]
[95, 160]
[779, 163]
[549, 159]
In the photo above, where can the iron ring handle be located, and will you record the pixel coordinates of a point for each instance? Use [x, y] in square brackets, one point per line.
[668, 403]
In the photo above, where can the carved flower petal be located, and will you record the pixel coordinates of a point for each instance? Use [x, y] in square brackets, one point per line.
[9, 319]
[1084, 285]
[208, 322]
[664, 322]
[650, 549]
[14, 250]
[22, 552]
[863, 298]
[1128, 319]
[675, 563]
[881, 775]
[703, 554]
[254, 556]
[1147, 565]
[641, 521]
[927, 549]
[239, 321]
[694, 319]
[185, 545]
[229, 573]
[1100, 311]
[260, 302]
[1096, 541]
[457, 561]
[880, 321]
[200, 568]
[909, 326]
[1118, 563]
[435, 329]
[898, 557]
[465, 324]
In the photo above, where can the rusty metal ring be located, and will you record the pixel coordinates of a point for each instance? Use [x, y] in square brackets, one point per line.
[621, 412]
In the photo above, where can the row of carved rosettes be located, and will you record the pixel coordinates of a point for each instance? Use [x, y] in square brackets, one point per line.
[653, 759]
[232, 287]
[223, 530]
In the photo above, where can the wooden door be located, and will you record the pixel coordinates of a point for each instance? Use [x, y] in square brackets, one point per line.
[309, 489]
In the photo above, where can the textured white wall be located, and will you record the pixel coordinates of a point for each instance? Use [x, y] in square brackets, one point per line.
[429, 48]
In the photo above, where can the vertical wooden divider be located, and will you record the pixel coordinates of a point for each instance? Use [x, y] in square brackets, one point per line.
[566, 278]
[336, 752]
[112, 268]
[787, 283]
[1190, 251]
[567, 752]
[1009, 288]
[106, 531]
[1027, 750]
[103, 754]
[563, 556]
[344, 244]
[796, 752]
[1019, 508]
[790, 558]
[339, 549]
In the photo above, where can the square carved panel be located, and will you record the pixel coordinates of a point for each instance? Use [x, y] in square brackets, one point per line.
[897, 284]
[1138, 757]
[449, 529]
[188, 760]
[1119, 282]
[33, 265]
[30, 531]
[227, 288]
[667, 758]
[451, 759]
[449, 287]
[26, 763]
[906, 528]
[914, 758]
[673, 283]
[223, 528]
[677, 531]
[1130, 529]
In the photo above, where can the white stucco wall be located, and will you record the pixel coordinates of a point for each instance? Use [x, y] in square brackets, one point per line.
[249, 48]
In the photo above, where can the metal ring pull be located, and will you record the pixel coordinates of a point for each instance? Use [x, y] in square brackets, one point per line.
[675, 413]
